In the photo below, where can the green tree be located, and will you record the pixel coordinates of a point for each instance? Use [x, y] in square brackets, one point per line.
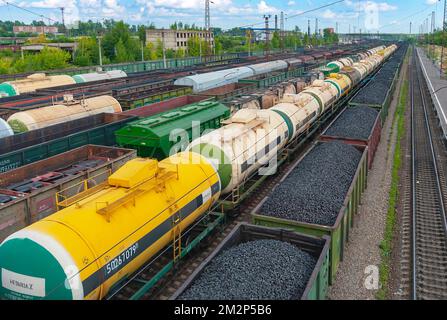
[122, 54]
[48, 59]
[87, 53]
[193, 45]
[180, 53]
[129, 47]
[142, 33]
[276, 42]
[218, 45]
[5, 65]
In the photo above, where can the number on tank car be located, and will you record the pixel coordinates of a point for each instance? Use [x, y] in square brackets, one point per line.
[121, 259]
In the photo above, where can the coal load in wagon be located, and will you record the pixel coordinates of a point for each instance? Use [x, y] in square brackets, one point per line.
[354, 123]
[374, 93]
[315, 190]
[255, 270]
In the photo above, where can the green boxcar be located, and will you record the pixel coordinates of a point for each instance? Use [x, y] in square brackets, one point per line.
[339, 232]
[317, 285]
[21, 149]
[151, 136]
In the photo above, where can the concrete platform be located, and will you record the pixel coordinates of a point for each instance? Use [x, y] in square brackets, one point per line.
[437, 87]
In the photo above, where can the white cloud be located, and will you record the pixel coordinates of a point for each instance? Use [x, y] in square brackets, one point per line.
[362, 6]
[329, 14]
[90, 3]
[291, 3]
[50, 4]
[263, 7]
[112, 9]
[430, 2]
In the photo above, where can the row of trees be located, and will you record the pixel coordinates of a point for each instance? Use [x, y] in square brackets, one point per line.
[48, 59]
[120, 42]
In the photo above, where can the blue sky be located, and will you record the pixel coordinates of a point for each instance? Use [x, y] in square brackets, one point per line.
[373, 16]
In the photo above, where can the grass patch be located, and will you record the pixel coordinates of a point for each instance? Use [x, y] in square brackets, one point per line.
[386, 245]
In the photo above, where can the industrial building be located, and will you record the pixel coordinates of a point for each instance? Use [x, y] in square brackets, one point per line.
[177, 39]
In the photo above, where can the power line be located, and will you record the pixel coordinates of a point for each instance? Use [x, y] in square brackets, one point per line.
[29, 11]
[299, 14]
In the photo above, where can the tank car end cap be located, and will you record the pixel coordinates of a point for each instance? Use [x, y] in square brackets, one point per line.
[38, 275]
[7, 90]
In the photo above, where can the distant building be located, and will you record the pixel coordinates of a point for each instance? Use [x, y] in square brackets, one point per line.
[35, 29]
[330, 30]
[177, 39]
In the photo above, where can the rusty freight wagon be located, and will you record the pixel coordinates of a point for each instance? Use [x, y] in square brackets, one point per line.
[28, 194]
[21, 149]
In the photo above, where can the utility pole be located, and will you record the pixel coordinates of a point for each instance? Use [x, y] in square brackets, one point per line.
[248, 34]
[164, 48]
[411, 24]
[316, 27]
[276, 22]
[63, 19]
[282, 31]
[433, 27]
[267, 35]
[207, 15]
[100, 50]
[308, 28]
[200, 49]
[336, 27]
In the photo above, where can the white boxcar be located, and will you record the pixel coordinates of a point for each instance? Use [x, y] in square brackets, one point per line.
[211, 80]
[266, 67]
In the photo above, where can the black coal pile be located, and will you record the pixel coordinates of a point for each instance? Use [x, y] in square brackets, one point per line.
[373, 93]
[315, 190]
[255, 270]
[354, 123]
[376, 91]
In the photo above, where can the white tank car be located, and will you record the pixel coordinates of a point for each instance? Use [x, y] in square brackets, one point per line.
[51, 115]
[5, 129]
[246, 141]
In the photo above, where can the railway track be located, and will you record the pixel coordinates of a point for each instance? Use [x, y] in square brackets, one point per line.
[428, 196]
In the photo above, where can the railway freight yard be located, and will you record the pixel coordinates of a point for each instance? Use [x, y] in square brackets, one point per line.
[311, 173]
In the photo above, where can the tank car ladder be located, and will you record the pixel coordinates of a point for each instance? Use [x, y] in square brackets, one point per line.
[177, 232]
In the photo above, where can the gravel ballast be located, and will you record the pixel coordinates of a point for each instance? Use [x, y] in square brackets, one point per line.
[354, 123]
[255, 270]
[315, 190]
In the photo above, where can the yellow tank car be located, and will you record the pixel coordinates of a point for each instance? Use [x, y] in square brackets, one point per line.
[108, 232]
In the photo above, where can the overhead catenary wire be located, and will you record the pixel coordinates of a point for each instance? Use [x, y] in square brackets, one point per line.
[298, 14]
[29, 11]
